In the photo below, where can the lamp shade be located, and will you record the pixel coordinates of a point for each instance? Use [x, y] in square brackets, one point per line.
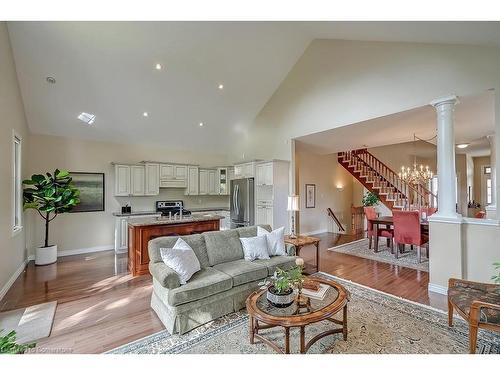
[293, 203]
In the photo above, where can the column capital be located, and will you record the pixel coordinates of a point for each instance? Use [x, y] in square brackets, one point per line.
[451, 99]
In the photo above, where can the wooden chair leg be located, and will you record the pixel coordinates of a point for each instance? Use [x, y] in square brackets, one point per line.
[472, 338]
[392, 246]
[450, 314]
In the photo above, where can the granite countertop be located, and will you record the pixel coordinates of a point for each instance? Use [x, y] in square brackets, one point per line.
[208, 209]
[146, 221]
[136, 213]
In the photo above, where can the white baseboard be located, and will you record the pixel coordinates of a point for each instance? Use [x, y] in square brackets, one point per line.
[437, 289]
[13, 278]
[86, 250]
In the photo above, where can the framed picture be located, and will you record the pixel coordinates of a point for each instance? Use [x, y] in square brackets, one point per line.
[310, 195]
[91, 186]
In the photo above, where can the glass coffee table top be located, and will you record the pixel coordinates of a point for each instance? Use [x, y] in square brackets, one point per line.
[331, 295]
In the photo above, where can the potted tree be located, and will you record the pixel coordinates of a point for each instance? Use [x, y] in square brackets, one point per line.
[49, 195]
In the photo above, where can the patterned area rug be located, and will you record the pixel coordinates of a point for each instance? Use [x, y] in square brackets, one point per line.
[360, 249]
[377, 323]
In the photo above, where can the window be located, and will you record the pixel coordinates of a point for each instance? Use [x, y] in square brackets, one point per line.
[486, 185]
[488, 190]
[487, 170]
[17, 198]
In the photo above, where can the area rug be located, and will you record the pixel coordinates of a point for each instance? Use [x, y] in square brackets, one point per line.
[30, 323]
[360, 249]
[377, 323]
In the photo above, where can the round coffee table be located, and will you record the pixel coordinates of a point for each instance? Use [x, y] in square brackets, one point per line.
[262, 315]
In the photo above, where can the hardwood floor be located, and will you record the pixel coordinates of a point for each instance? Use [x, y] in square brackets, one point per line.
[101, 306]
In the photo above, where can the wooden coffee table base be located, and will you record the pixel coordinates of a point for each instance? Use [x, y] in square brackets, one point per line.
[255, 327]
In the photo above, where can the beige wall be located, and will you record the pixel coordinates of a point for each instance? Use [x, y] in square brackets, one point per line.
[12, 248]
[479, 164]
[326, 173]
[71, 231]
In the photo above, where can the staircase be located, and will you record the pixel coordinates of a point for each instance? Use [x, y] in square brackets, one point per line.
[382, 181]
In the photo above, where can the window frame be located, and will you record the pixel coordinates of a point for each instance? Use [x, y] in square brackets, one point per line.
[16, 193]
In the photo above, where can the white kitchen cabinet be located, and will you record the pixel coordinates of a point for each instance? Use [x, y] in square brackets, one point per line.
[222, 181]
[192, 180]
[203, 190]
[225, 223]
[122, 180]
[264, 174]
[152, 179]
[245, 170]
[264, 215]
[238, 171]
[121, 231]
[173, 176]
[137, 180]
[212, 182]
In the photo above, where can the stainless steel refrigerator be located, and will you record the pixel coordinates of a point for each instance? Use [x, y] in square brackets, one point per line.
[242, 202]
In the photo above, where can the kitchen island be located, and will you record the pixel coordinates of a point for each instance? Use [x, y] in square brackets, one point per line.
[141, 231]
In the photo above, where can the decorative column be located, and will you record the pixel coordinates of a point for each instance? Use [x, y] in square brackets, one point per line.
[491, 210]
[447, 190]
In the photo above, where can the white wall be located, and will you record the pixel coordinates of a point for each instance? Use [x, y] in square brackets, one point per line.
[74, 231]
[326, 173]
[12, 248]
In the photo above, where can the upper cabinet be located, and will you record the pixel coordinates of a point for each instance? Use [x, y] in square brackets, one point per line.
[245, 170]
[223, 181]
[137, 176]
[192, 180]
[152, 179]
[264, 174]
[173, 175]
[208, 182]
[122, 180]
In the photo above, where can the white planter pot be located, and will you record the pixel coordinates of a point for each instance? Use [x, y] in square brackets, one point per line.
[45, 255]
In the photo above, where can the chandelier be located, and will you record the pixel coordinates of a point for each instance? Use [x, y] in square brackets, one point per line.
[418, 175]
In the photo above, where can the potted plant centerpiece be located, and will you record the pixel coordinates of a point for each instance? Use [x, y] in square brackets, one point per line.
[49, 195]
[280, 289]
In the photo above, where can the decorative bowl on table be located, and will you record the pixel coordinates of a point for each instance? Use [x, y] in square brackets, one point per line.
[282, 300]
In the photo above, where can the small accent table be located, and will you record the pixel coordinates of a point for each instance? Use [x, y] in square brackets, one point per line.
[262, 316]
[302, 241]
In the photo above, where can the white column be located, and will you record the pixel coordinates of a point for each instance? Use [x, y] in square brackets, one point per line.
[447, 190]
[492, 208]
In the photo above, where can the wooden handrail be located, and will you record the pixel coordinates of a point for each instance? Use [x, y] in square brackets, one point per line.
[424, 197]
[335, 219]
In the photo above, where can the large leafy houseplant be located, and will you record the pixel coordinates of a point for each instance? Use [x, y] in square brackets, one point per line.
[496, 278]
[370, 199]
[50, 195]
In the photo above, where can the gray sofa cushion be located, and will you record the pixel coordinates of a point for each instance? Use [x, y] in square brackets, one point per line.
[204, 283]
[196, 241]
[243, 271]
[223, 246]
[246, 232]
[283, 262]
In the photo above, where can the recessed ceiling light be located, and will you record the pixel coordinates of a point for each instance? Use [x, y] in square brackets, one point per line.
[88, 118]
[462, 145]
[51, 80]
[201, 124]
[221, 86]
[158, 66]
[145, 114]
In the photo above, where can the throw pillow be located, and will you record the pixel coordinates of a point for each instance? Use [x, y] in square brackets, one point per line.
[182, 259]
[254, 248]
[275, 240]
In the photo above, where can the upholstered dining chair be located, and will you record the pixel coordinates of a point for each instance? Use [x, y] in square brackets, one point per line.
[477, 303]
[388, 233]
[407, 231]
[480, 215]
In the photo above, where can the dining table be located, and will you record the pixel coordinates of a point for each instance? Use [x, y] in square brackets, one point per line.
[388, 221]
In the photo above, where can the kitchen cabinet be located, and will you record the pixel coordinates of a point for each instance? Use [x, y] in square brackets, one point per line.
[122, 180]
[245, 170]
[222, 181]
[121, 231]
[264, 174]
[173, 175]
[203, 190]
[152, 179]
[212, 182]
[264, 215]
[192, 180]
[137, 180]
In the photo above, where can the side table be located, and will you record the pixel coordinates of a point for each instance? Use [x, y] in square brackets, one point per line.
[302, 241]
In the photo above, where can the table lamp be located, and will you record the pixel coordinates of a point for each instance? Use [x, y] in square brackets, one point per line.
[293, 206]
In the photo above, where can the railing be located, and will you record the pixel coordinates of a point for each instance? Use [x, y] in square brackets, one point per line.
[335, 219]
[411, 195]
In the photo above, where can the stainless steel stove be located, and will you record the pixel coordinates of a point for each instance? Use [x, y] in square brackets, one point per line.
[167, 208]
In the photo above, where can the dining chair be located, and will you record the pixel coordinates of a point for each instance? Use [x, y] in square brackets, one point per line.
[407, 231]
[371, 214]
[480, 215]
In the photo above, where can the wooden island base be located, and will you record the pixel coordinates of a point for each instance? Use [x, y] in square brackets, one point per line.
[139, 234]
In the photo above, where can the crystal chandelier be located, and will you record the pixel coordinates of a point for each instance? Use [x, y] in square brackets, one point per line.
[418, 175]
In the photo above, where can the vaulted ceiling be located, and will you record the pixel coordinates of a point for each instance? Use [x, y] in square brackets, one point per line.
[108, 69]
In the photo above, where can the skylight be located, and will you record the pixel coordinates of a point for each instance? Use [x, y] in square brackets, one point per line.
[88, 118]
